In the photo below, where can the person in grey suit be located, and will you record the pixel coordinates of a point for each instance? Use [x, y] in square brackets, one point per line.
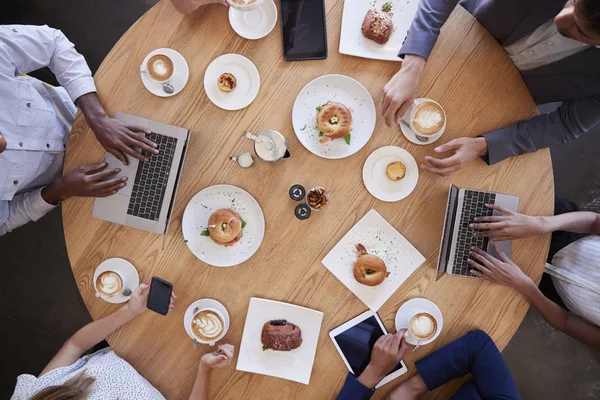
[553, 43]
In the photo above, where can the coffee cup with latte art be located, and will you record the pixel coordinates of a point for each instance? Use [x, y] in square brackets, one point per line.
[427, 120]
[422, 326]
[208, 326]
[244, 5]
[159, 68]
[109, 284]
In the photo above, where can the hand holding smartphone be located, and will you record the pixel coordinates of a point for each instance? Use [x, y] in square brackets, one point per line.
[159, 297]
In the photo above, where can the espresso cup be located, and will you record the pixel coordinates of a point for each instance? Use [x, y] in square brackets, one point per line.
[245, 5]
[427, 120]
[208, 325]
[108, 284]
[422, 326]
[159, 68]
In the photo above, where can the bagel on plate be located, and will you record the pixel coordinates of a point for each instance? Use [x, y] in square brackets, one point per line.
[369, 270]
[334, 120]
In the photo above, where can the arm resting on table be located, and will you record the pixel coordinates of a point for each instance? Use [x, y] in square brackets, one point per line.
[568, 323]
[568, 122]
[89, 336]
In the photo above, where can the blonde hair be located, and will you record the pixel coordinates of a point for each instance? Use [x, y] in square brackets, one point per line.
[76, 388]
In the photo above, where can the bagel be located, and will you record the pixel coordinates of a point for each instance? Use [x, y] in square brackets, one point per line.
[225, 227]
[369, 270]
[334, 120]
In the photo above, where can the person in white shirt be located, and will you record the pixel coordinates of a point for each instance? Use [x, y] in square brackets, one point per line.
[573, 264]
[35, 123]
[103, 374]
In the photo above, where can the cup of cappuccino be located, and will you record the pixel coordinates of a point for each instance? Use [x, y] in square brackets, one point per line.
[422, 326]
[209, 325]
[159, 68]
[108, 284]
[427, 120]
[244, 5]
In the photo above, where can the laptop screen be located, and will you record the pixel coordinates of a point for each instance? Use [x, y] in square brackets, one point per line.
[448, 229]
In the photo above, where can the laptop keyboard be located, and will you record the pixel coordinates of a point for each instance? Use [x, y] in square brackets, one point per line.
[473, 206]
[151, 179]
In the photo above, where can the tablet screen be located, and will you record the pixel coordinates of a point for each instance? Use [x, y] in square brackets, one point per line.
[357, 343]
[304, 31]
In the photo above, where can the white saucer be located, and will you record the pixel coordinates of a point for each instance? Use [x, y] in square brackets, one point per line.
[247, 79]
[376, 180]
[415, 306]
[179, 78]
[254, 24]
[129, 274]
[200, 304]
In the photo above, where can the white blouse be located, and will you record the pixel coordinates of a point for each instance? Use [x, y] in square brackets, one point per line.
[115, 379]
[575, 272]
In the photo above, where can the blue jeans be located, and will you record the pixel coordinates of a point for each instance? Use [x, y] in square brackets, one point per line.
[474, 353]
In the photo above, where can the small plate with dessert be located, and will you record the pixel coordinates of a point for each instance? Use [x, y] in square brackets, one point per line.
[279, 340]
[231, 82]
[334, 116]
[376, 29]
[223, 225]
[390, 173]
[373, 260]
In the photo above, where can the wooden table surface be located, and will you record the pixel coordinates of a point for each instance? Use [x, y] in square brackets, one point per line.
[468, 73]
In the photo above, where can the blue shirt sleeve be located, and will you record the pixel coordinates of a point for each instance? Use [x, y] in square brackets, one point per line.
[354, 390]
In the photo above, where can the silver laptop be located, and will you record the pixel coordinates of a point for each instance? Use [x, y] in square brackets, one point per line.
[457, 238]
[146, 201]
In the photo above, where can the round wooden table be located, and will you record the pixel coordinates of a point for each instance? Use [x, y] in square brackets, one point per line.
[468, 73]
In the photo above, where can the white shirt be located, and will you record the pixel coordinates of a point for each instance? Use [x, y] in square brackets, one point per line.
[115, 379]
[543, 46]
[35, 118]
[575, 272]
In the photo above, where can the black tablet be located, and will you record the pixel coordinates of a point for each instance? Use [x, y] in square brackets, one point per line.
[304, 30]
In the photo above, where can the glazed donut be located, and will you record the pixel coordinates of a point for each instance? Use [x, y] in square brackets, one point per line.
[334, 120]
[369, 270]
[225, 227]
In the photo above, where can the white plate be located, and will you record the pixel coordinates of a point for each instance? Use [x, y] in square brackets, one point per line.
[129, 274]
[415, 306]
[200, 304]
[295, 365]
[383, 240]
[342, 89]
[179, 78]
[247, 80]
[199, 210]
[376, 180]
[352, 41]
[254, 24]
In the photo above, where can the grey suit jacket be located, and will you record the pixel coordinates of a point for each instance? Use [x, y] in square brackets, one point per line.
[574, 80]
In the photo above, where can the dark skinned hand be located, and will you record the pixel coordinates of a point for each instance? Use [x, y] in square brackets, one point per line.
[89, 181]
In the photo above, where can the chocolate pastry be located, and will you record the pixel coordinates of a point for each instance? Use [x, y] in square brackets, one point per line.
[281, 335]
[378, 26]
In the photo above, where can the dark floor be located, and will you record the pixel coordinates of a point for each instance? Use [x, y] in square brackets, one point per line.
[38, 315]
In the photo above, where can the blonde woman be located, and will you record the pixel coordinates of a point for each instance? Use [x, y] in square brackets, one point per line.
[103, 374]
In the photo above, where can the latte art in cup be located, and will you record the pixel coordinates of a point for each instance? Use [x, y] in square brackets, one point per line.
[109, 283]
[427, 118]
[160, 67]
[422, 326]
[207, 325]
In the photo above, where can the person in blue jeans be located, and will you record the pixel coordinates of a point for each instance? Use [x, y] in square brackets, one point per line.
[475, 354]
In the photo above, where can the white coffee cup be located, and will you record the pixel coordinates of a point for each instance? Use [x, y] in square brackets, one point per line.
[144, 68]
[241, 5]
[112, 278]
[424, 316]
[212, 340]
[409, 119]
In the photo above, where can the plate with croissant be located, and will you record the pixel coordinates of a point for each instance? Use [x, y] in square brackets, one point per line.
[376, 29]
[223, 225]
[280, 340]
[334, 116]
[373, 260]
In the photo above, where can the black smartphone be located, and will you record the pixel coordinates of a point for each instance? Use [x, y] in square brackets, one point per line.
[303, 29]
[159, 297]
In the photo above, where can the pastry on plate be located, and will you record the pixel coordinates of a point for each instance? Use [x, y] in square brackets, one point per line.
[396, 171]
[378, 26]
[225, 227]
[369, 270]
[280, 335]
[334, 121]
[227, 82]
